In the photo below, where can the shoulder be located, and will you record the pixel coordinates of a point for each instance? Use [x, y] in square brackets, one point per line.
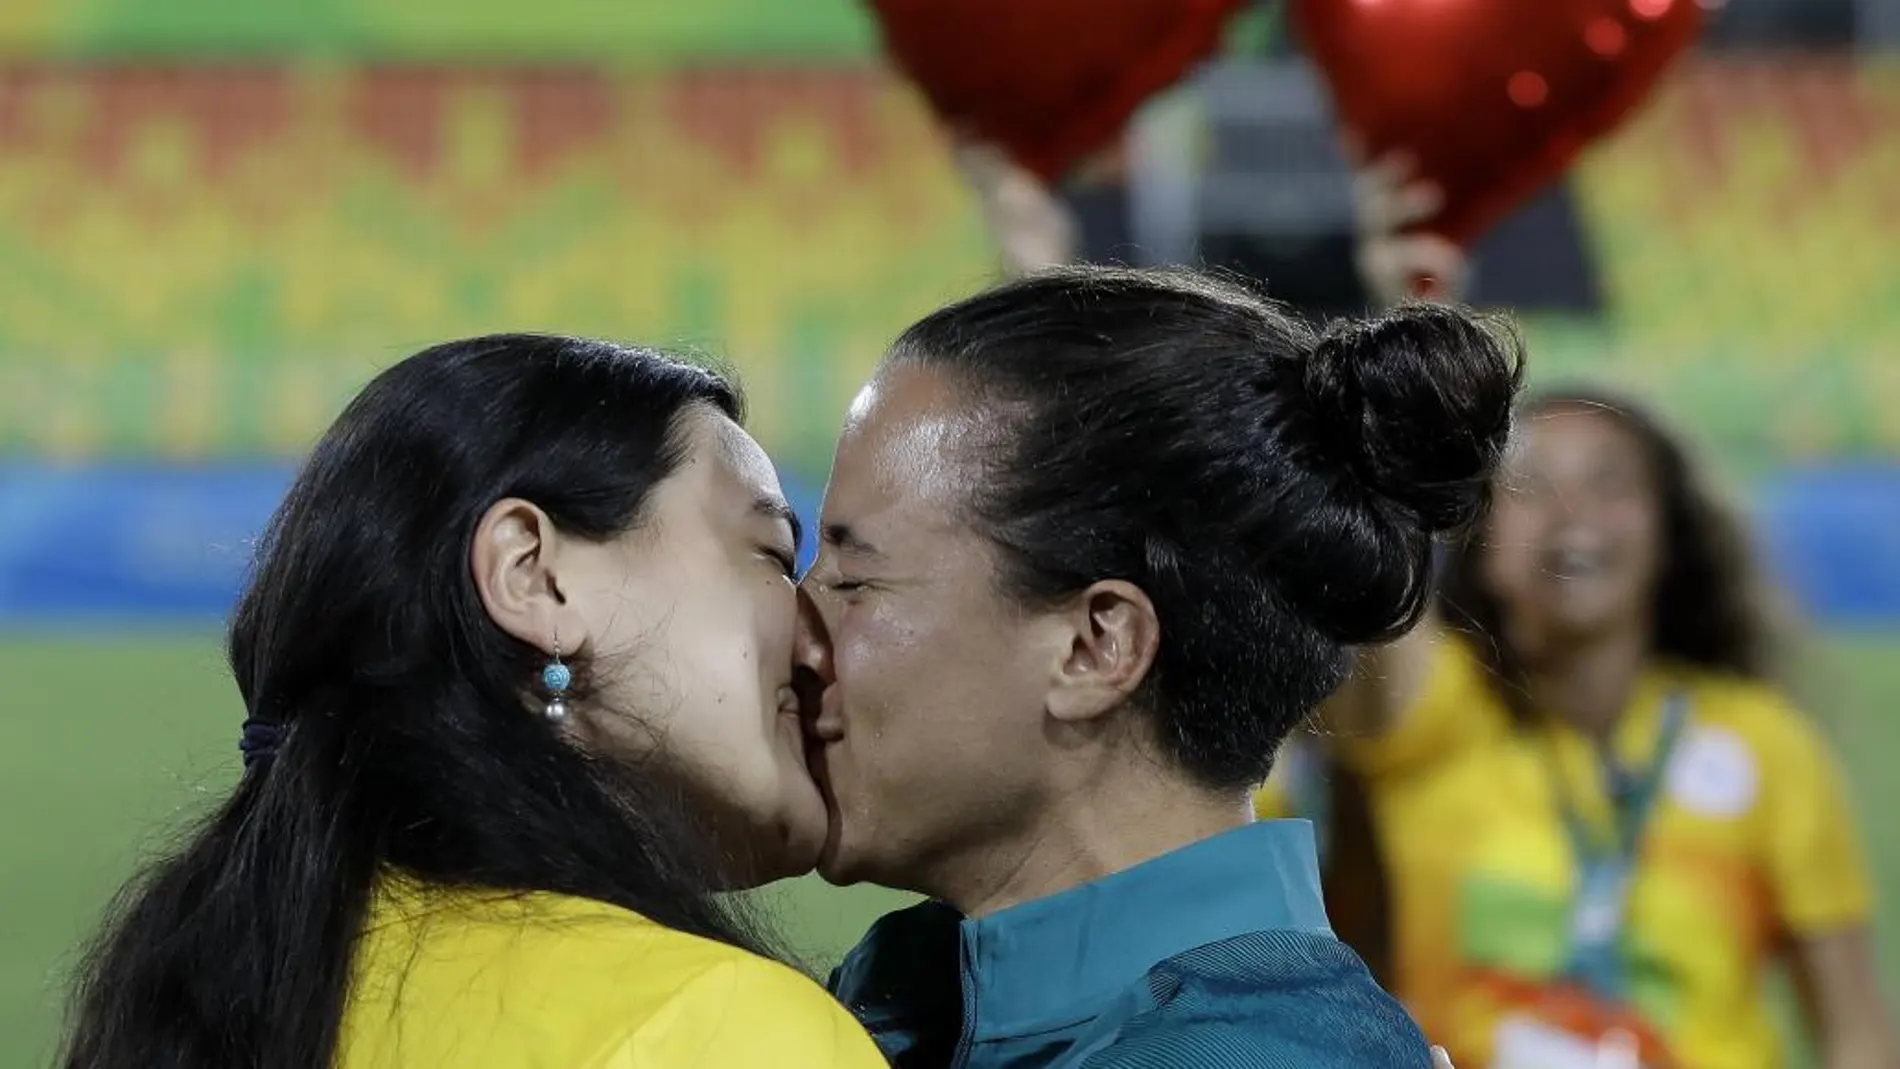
[1763, 712]
[1275, 998]
[746, 1011]
[900, 949]
[1456, 708]
[903, 982]
[1746, 745]
[677, 999]
[1747, 715]
[563, 981]
[1459, 674]
[591, 944]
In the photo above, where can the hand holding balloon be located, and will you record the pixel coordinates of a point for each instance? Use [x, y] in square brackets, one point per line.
[1494, 99]
[1397, 260]
[1031, 226]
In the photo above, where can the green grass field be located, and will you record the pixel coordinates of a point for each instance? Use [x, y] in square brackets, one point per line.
[109, 745]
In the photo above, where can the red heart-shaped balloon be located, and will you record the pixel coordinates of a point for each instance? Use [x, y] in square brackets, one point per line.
[1492, 98]
[1048, 81]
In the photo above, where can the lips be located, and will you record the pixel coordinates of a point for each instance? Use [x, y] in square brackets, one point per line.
[1576, 559]
[791, 722]
[817, 763]
[816, 756]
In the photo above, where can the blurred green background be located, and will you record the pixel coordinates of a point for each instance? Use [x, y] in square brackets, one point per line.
[218, 217]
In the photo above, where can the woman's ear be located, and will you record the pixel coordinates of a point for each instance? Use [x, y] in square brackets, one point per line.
[516, 561]
[1113, 637]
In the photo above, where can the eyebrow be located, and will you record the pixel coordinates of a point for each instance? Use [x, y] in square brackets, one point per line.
[776, 508]
[849, 541]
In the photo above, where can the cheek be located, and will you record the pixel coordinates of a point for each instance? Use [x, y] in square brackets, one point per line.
[707, 672]
[1641, 529]
[1509, 553]
[751, 616]
[868, 653]
[747, 646]
[1514, 526]
[899, 686]
[774, 604]
[922, 685]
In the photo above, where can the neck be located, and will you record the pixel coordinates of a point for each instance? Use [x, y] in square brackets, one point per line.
[1113, 823]
[1589, 682]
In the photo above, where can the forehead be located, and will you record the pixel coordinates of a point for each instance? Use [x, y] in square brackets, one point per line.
[901, 467]
[1577, 437]
[722, 460]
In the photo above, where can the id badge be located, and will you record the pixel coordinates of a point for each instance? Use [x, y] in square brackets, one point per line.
[1525, 1042]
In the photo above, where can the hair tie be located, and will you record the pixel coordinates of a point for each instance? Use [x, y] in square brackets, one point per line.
[259, 741]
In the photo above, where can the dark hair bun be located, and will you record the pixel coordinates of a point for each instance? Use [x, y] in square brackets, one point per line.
[1416, 403]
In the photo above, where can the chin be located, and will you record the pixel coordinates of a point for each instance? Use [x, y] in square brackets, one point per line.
[769, 874]
[779, 860]
[800, 844]
[835, 875]
[802, 856]
[838, 864]
[764, 842]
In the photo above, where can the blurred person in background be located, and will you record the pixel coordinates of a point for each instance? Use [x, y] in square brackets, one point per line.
[1094, 542]
[516, 656]
[1643, 823]
[1597, 813]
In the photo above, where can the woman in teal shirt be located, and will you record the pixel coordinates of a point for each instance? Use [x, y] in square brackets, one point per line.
[1094, 542]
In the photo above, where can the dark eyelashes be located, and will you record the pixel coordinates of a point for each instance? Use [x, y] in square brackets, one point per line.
[786, 562]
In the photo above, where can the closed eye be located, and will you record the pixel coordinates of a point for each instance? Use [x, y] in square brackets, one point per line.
[786, 562]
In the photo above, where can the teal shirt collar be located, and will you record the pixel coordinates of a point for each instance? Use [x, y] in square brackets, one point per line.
[1058, 961]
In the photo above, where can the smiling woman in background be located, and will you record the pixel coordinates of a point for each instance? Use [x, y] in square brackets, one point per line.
[1596, 817]
[1601, 822]
[516, 656]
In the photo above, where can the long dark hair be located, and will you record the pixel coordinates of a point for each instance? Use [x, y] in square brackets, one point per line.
[406, 744]
[1273, 490]
[1708, 609]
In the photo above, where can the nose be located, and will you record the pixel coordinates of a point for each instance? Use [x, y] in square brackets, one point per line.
[812, 673]
[811, 644]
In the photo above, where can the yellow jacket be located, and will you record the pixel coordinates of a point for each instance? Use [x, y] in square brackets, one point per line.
[451, 980]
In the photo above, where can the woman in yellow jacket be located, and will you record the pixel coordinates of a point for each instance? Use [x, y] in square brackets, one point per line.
[516, 655]
[1597, 821]
[1601, 824]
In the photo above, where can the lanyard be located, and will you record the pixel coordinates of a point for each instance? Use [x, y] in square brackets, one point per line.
[1604, 871]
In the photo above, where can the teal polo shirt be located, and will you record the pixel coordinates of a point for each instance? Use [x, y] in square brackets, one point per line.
[1215, 955]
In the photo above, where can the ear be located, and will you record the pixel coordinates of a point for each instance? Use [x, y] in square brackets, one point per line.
[1114, 636]
[515, 562]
